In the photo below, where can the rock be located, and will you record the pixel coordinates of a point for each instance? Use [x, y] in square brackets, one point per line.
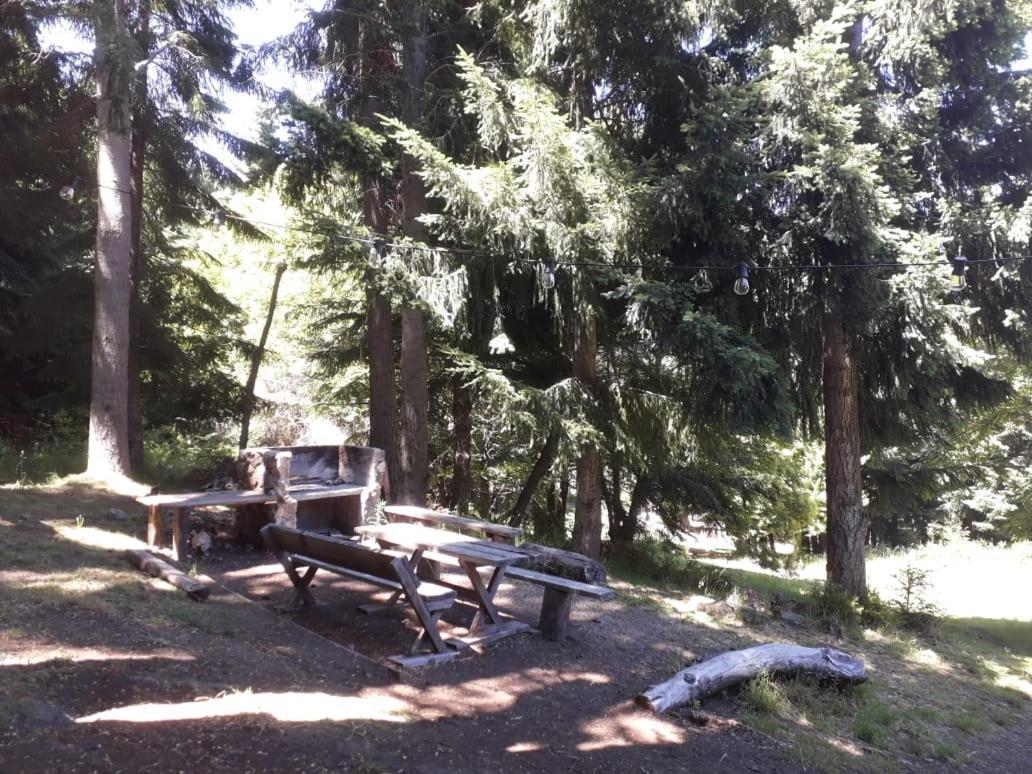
[201, 541]
[116, 513]
[565, 564]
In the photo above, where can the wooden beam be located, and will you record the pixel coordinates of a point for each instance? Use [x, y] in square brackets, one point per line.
[161, 569]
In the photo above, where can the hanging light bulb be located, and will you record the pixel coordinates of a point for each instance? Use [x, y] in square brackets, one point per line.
[68, 192]
[548, 277]
[957, 279]
[701, 282]
[742, 279]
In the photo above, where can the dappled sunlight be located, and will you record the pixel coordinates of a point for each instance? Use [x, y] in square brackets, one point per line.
[29, 653]
[288, 707]
[627, 727]
[524, 747]
[112, 483]
[490, 694]
[74, 582]
[94, 537]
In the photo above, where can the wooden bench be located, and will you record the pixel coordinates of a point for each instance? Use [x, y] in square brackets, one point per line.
[298, 550]
[499, 533]
[557, 602]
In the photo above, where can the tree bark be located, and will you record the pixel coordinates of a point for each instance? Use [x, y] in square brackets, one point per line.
[413, 458]
[109, 425]
[518, 512]
[587, 519]
[715, 674]
[847, 525]
[256, 360]
[462, 428]
[136, 257]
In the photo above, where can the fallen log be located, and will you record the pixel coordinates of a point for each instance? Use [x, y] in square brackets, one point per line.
[161, 569]
[715, 674]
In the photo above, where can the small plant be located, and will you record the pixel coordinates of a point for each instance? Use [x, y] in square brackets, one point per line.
[831, 602]
[764, 695]
[915, 611]
[80, 520]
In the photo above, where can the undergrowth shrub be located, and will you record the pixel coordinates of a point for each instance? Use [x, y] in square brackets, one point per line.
[175, 458]
[56, 448]
[654, 561]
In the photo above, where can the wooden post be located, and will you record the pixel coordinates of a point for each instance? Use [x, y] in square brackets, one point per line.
[179, 532]
[277, 477]
[555, 614]
[154, 536]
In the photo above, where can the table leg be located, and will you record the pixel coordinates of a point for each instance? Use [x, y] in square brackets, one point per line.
[154, 536]
[179, 516]
[485, 594]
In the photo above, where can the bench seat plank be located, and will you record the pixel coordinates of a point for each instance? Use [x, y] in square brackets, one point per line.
[431, 592]
[562, 584]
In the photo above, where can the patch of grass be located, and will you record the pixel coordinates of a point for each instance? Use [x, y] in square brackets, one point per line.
[873, 722]
[764, 696]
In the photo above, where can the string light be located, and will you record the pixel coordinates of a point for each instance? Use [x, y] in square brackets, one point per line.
[548, 278]
[957, 279]
[700, 279]
[68, 192]
[741, 286]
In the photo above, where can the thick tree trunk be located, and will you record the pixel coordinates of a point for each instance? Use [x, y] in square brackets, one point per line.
[587, 520]
[136, 257]
[379, 333]
[256, 360]
[109, 426]
[412, 452]
[518, 512]
[847, 526]
[413, 457]
[462, 429]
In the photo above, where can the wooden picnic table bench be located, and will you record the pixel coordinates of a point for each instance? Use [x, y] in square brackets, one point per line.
[469, 553]
[180, 504]
[559, 592]
[500, 533]
[297, 550]
[557, 602]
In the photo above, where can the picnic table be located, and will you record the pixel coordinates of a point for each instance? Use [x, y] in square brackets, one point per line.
[469, 553]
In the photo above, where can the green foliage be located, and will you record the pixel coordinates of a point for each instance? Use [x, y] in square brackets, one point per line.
[177, 459]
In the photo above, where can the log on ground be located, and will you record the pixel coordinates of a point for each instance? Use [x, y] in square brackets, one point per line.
[715, 674]
[161, 569]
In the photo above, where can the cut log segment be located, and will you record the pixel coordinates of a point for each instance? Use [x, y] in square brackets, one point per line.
[708, 677]
[160, 569]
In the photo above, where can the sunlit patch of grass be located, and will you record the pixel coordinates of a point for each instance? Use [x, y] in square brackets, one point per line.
[763, 695]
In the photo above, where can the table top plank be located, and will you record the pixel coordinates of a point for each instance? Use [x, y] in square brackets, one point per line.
[460, 546]
[234, 497]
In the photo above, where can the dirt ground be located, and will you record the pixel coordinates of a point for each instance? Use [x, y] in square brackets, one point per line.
[105, 670]
[102, 669]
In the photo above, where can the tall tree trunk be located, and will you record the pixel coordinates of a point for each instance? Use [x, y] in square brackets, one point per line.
[109, 426]
[379, 334]
[462, 424]
[415, 397]
[544, 462]
[256, 360]
[136, 257]
[587, 519]
[847, 526]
